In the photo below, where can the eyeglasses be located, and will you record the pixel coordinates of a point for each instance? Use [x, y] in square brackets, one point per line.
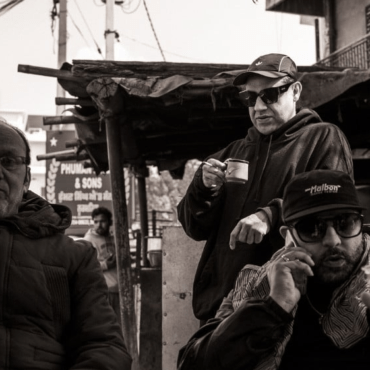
[313, 229]
[10, 163]
[268, 96]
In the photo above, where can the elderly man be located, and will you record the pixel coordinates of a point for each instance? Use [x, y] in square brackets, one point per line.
[234, 217]
[307, 308]
[54, 311]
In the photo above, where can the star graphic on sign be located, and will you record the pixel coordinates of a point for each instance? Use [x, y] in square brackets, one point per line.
[53, 141]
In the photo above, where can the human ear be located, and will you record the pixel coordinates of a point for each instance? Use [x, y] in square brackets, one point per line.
[297, 89]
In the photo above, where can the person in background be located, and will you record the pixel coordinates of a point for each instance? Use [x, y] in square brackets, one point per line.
[306, 308]
[102, 240]
[234, 218]
[54, 312]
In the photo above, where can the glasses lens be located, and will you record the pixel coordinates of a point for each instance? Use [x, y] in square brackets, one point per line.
[249, 98]
[270, 96]
[313, 229]
[349, 225]
[310, 230]
[11, 163]
[8, 162]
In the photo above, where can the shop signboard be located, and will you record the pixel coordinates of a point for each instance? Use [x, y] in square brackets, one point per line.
[74, 186]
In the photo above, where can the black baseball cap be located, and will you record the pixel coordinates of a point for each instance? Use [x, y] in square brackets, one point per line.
[316, 191]
[269, 65]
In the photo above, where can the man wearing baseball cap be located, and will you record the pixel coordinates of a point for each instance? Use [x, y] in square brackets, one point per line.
[308, 307]
[234, 218]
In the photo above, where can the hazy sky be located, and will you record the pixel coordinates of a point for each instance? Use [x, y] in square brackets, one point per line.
[194, 31]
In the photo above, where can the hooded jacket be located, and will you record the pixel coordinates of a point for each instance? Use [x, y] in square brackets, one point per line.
[54, 311]
[302, 144]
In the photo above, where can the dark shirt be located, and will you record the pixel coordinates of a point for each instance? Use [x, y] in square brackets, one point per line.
[309, 348]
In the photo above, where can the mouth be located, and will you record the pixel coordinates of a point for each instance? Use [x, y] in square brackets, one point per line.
[262, 118]
[334, 261]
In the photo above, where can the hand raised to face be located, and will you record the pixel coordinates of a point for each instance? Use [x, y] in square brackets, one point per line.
[287, 275]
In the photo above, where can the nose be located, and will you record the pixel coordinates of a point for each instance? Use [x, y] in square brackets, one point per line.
[331, 238]
[260, 104]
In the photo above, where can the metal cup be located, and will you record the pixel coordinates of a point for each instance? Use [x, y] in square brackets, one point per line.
[237, 170]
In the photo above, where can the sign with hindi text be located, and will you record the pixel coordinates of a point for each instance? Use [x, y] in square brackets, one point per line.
[72, 185]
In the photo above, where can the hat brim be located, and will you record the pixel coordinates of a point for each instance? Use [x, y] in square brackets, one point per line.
[311, 211]
[242, 78]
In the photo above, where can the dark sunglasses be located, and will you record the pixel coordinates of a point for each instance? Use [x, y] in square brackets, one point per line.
[313, 229]
[268, 96]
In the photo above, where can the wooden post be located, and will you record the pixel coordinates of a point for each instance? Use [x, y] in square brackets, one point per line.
[143, 206]
[126, 292]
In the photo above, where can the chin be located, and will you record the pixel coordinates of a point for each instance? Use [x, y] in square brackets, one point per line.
[334, 276]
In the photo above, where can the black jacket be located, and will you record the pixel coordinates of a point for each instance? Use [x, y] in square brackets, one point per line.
[54, 311]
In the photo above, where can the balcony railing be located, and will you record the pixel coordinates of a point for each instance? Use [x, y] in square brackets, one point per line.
[356, 55]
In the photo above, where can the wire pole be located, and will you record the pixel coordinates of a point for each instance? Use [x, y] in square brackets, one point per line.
[109, 32]
[62, 48]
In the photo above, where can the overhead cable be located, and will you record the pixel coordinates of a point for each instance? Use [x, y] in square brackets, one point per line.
[87, 25]
[167, 52]
[155, 35]
[5, 6]
[78, 29]
[126, 5]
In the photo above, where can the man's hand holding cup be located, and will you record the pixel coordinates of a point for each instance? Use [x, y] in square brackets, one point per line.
[213, 173]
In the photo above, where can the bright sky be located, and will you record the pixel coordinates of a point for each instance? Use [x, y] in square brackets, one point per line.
[194, 31]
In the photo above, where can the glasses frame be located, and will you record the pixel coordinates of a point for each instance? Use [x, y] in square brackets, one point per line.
[279, 91]
[334, 224]
[19, 160]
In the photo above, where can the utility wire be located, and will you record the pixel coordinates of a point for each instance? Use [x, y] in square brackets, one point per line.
[167, 52]
[78, 29]
[127, 6]
[155, 35]
[8, 5]
[87, 25]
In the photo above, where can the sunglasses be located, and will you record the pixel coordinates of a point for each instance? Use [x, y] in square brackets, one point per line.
[313, 229]
[268, 96]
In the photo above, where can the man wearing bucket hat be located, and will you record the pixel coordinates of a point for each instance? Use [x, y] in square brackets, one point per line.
[306, 308]
[234, 217]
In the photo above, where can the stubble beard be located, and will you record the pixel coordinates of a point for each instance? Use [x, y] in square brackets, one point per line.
[336, 276]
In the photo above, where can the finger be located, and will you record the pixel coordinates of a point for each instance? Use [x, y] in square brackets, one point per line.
[302, 267]
[215, 164]
[258, 237]
[215, 176]
[234, 236]
[293, 255]
[250, 236]
[211, 181]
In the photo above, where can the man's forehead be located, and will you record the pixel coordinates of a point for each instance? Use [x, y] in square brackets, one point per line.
[100, 217]
[10, 141]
